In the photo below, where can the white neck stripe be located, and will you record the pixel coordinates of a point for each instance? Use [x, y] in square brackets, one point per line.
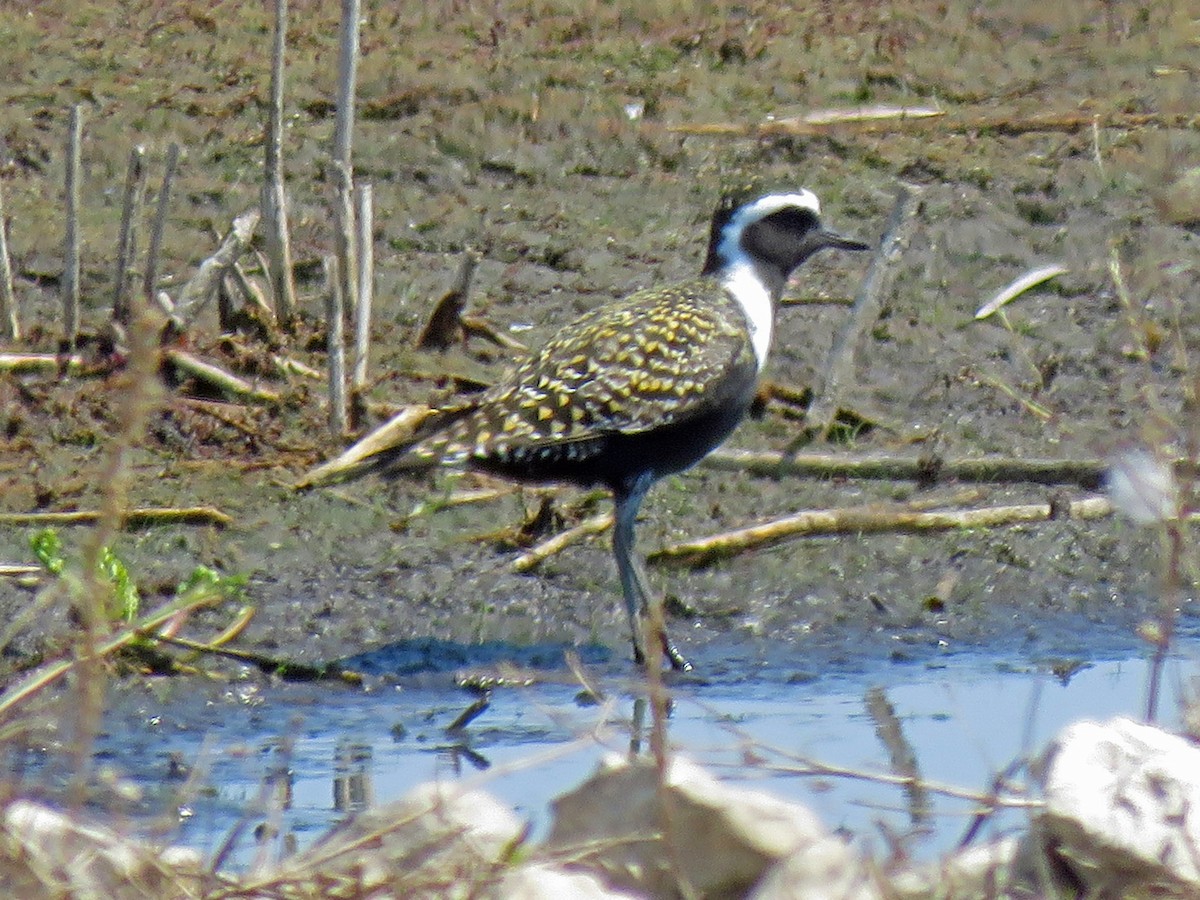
[742, 281]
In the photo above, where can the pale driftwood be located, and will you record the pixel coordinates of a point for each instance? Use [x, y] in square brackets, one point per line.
[9, 314]
[336, 347]
[133, 518]
[131, 204]
[70, 281]
[839, 365]
[1086, 473]
[274, 202]
[40, 362]
[873, 519]
[1018, 287]
[539, 553]
[365, 222]
[218, 377]
[394, 433]
[251, 294]
[158, 227]
[202, 287]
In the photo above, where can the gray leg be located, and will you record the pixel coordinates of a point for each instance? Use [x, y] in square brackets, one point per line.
[633, 578]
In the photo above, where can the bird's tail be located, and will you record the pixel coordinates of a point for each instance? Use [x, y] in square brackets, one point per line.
[393, 446]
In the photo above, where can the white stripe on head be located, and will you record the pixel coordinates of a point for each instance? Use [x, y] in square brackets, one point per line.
[740, 277]
[729, 249]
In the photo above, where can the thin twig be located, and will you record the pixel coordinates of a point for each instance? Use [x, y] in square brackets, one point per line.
[70, 282]
[279, 247]
[873, 519]
[9, 314]
[839, 364]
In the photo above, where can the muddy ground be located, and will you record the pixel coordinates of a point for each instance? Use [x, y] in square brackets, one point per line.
[546, 137]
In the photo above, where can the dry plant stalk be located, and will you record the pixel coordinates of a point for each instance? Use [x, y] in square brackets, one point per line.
[131, 204]
[9, 315]
[839, 364]
[70, 280]
[159, 225]
[873, 519]
[139, 392]
[364, 196]
[342, 168]
[540, 552]
[274, 202]
[336, 347]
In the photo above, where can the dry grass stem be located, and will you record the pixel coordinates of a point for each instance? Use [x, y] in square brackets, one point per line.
[18, 363]
[873, 519]
[364, 197]
[335, 346]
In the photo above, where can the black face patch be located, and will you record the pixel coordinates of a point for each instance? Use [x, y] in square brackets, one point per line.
[793, 219]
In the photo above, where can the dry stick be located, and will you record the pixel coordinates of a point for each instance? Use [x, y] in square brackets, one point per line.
[365, 219]
[343, 167]
[8, 297]
[873, 519]
[539, 553]
[197, 293]
[1087, 473]
[274, 202]
[37, 362]
[150, 277]
[135, 181]
[336, 348]
[218, 377]
[250, 292]
[70, 281]
[839, 364]
[133, 518]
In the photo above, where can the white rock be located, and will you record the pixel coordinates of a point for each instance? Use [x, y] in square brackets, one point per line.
[1123, 804]
[435, 839]
[826, 869]
[542, 881]
[722, 839]
[45, 848]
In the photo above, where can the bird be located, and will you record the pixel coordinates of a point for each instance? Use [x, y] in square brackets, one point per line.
[635, 389]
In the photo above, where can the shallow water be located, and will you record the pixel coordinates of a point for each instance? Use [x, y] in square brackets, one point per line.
[326, 751]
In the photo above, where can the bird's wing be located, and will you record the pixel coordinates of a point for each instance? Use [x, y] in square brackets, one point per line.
[656, 358]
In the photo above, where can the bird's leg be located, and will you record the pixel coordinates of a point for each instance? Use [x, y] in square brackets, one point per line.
[633, 578]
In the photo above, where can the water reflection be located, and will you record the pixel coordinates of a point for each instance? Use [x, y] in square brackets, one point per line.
[912, 759]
